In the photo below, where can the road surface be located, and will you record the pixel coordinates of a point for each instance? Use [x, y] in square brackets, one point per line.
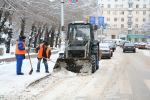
[126, 76]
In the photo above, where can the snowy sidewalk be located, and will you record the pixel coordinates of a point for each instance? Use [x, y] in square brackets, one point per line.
[11, 84]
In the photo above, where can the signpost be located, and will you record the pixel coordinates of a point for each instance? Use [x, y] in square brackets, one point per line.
[92, 20]
[101, 21]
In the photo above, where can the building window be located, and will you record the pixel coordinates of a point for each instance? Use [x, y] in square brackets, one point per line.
[137, 6]
[108, 19]
[144, 19]
[115, 19]
[144, 12]
[136, 19]
[122, 25]
[130, 5]
[122, 13]
[121, 6]
[130, 13]
[109, 6]
[144, 6]
[129, 26]
[137, 12]
[122, 19]
[108, 12]
[116, 6]
[114, 12]
[116, 0]
[136, 25]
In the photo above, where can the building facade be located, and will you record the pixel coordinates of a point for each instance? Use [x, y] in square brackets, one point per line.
[123, 17]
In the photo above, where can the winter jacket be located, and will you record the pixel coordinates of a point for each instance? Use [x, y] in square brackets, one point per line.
[43, 51]
[20, 49]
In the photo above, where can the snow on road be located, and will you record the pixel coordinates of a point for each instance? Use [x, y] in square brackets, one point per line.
[145, 52]
[65, 85]
[11, 84]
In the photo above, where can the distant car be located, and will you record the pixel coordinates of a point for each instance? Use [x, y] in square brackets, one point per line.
[124, 43]
[105, 50]
[129, 47]
[142, 45]
[136, 44]
[147, 45]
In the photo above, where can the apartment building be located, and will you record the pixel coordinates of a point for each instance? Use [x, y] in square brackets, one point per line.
[124, 17]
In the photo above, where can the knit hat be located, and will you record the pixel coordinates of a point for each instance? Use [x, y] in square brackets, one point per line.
[22, 37]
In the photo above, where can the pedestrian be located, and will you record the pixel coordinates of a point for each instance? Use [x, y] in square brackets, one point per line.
[44, 52]
[20, 54]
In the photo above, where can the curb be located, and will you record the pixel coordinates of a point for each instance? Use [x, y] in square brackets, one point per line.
[26, 57]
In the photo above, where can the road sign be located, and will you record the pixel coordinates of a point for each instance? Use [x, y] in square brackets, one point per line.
[92, 19]
[101, 21]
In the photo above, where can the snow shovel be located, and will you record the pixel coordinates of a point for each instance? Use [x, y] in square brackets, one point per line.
[30, 65]
[49, 60]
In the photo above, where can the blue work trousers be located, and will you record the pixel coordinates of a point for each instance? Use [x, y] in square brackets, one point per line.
[19, 65]
[45, 63]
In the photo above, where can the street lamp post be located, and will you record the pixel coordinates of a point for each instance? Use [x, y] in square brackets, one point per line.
[62, 18]
[62, 13]
[101, 27]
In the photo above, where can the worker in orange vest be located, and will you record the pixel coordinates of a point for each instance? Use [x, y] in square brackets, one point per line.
[20, 54]
[44, 52]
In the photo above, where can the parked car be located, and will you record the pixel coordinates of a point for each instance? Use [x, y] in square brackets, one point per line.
[105, 50]
[147, 45]
[142, 45]
[111, 43]
[136, 44]
[129, 47]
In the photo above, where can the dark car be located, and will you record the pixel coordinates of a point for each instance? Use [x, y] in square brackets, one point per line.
[129, 47]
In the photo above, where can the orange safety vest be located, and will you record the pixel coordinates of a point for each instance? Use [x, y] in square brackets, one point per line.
[20, 51]
[47, 52]
[40, 52]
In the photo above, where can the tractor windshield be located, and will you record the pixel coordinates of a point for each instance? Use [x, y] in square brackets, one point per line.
[79, 32]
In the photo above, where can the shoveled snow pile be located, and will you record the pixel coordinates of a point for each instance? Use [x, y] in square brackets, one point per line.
[35, 90]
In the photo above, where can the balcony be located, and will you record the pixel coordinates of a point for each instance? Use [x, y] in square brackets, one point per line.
[130, 28]
[130, 9]
[130, 16]
[130, 1]
[129, 22]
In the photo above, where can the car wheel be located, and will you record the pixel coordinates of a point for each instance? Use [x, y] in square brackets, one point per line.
[111, 54]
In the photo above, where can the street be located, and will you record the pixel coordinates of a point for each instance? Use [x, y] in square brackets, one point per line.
[126, 76]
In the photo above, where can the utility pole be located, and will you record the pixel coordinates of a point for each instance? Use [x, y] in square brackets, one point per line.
[101, 13]
[62, 18]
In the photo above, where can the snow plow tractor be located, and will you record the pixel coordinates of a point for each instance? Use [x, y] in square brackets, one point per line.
[81, 54]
